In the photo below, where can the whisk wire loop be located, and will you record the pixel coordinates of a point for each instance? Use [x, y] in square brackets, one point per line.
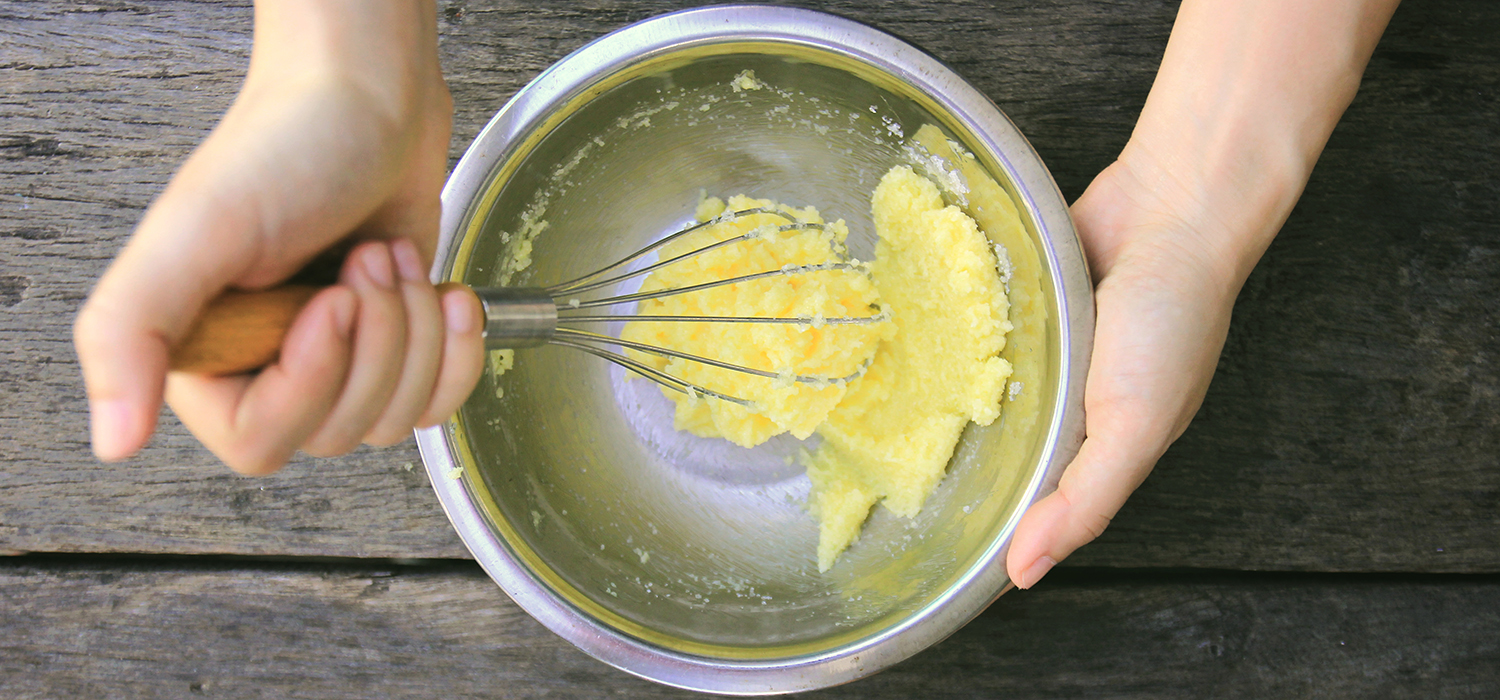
[576, 336]
[581, 288]
[524, 317]
[577, 284]
[663, 293]
[652, 373]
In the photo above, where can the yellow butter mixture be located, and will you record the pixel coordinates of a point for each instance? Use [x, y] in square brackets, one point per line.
[891, 437]
[832, 353]
[913, 381]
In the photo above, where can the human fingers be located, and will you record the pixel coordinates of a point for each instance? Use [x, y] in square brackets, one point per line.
[255, 424]
[1157, 338]
[463, 353]
[247, 209]
[193, 240]
[124, 361]
[379, 351]
[424, 348]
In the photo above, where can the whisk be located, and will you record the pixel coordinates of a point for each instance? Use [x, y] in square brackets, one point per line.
[242, 331]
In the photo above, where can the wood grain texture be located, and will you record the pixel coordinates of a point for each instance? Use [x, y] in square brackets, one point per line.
[290, 631]
[1352, 425]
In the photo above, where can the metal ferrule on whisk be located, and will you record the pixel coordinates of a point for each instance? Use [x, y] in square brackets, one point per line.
[517, 317]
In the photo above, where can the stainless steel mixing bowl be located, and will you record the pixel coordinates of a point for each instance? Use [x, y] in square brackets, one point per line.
[690, 561]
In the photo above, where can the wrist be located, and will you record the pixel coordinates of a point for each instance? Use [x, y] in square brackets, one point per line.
[1241, 108]
[385, 47]
[1227, 190]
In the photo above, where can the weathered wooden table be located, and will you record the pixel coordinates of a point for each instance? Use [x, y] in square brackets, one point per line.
[1329, 526]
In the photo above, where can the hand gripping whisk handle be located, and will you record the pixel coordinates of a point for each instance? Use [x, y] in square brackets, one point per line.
[243, 331]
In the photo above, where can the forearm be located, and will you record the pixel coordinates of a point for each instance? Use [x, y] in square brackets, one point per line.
[1246, 97]
[388, 46]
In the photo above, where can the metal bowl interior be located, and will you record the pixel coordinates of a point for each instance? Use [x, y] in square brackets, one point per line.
[576, 491]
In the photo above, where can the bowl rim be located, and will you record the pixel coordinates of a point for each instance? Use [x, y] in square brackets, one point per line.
[1061, 254]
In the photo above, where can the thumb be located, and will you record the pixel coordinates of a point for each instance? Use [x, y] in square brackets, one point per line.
[188, 246]
[1093, 488]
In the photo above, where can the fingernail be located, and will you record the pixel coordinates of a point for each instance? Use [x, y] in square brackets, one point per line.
[459, 314]
[109, 422]
[408, 261]
[377, 262]
[1036, 571]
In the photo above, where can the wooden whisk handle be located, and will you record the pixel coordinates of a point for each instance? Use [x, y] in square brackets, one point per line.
[241, 331]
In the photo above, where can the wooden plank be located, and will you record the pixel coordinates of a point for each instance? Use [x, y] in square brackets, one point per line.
[97, 108]
[288, 631]
[1352, 425]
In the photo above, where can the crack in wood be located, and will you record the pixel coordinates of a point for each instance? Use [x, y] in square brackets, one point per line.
[24, 146]
[13, 289]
